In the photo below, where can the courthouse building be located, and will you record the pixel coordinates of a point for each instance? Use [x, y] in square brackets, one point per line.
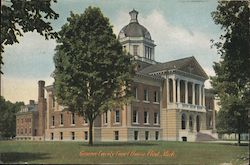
[170, 102]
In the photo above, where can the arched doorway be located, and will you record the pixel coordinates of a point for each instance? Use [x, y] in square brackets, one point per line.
[183, 121]
[191, 123]
[198, 123]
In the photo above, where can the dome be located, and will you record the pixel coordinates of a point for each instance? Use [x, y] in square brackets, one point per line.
[134, 29]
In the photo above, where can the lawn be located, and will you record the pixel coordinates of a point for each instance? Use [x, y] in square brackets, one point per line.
[129, 153]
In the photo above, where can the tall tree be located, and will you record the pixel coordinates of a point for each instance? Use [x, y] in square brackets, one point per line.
[92, 73]
[21, 16]
[232, 80]
[8, 112]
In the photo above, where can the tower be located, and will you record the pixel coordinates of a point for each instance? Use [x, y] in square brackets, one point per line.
[137, 40]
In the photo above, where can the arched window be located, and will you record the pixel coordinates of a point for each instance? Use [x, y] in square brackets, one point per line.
[183, 121]
[191, 123]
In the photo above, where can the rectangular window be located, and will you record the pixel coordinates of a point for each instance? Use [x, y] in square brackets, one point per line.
[135, 116]
[117, 116]
[124, 48]
[53, 120]
[135, 93]
[85, 121]
[30, 130]
[146, 117]
[135, 50]
[86, 135]
[156, 96]
[73, 118]
[136, 135]
[73, 135]
[61, 119]
[146, 135]
[148, 53]
[52, 136]
[105, 117]
[145, 94]
[156, 118]
[156, 135]
[61, 135]
[116, 135]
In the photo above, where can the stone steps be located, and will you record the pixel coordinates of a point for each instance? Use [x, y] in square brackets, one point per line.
[204, 137]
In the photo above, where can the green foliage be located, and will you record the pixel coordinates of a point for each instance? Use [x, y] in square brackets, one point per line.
[92, 73]
[8, 112]
[232, 80]
[20, 16]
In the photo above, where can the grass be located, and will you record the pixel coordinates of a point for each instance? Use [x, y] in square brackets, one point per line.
[69, 153]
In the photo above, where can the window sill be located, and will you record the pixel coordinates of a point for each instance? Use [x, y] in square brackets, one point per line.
[136, 123]
[146, 123]
[146, 101]
[156, 103]
[52, 126]
[72, 125]
[157, 124]
[61, 125]
[117, 123]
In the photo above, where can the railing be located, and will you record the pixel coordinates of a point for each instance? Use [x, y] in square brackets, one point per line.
[185, 106]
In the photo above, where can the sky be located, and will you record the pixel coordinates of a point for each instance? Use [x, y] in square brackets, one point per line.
[179, 28]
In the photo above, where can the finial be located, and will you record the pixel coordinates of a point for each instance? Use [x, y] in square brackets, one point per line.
[133, 14]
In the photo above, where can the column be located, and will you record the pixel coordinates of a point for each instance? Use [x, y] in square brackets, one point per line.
[178, 90]
[186, 92]
[194, 123]
[200, 102]
[168, 90]
[174, 90]
[213, 119]
[204, 95]
[193, 89]
[109, 118]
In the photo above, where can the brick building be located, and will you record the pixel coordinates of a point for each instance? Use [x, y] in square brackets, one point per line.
[170, 101]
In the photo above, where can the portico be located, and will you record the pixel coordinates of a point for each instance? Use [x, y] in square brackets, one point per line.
[185, 93]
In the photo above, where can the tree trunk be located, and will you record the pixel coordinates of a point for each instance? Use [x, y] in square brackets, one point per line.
[238, 138]
[91, 133]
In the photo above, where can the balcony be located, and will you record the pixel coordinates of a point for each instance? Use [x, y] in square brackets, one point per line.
[188, 107]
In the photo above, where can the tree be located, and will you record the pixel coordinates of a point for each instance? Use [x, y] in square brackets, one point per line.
[232, 79]
[8, 112]
[92, 73]
[21, 16]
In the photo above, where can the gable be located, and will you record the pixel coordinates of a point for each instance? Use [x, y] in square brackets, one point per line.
[193, 67]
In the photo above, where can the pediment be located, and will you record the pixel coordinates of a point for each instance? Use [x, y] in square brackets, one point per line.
[193, 67]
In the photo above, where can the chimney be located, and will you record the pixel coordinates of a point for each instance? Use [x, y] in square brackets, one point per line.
[41, 85]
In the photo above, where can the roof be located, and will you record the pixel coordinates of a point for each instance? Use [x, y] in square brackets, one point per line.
[134, 29]
[189, 65]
